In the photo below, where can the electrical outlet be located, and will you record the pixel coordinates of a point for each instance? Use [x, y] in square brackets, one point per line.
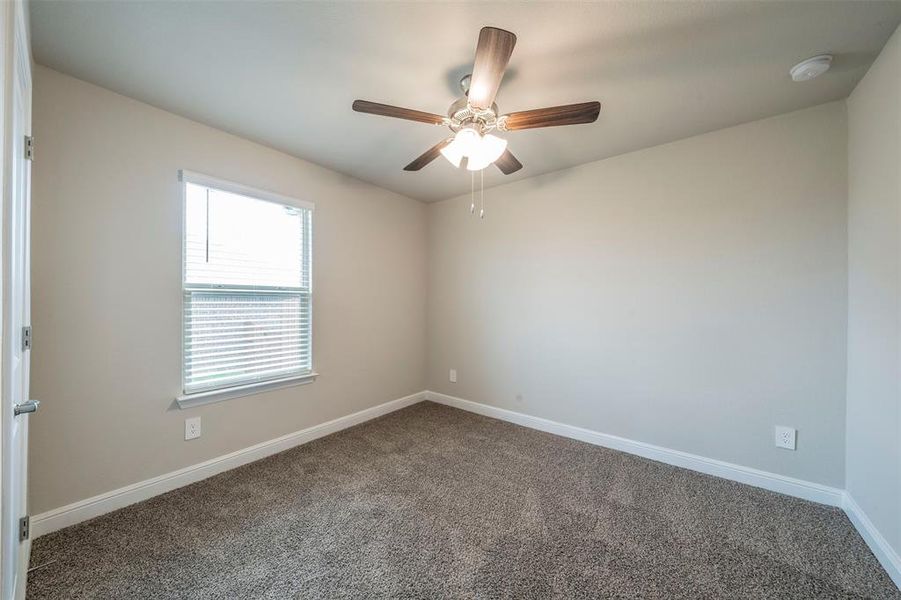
[192, 428]
[785, 437]
[453, 376]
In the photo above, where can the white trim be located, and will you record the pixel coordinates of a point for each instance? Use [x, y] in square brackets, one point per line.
[208, 397]
[885, 554]
[103, 503]
[238, 188]
[763, 479]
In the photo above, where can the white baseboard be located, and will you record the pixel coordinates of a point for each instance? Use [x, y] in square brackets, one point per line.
[762, 479]
[886, 555]
[101, 504]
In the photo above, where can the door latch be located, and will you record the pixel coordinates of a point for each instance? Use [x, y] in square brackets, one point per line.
[26, 407]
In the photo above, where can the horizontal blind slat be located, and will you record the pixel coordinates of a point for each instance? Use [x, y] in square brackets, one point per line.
[246, 353]
[206, 343]
[198, 352]
[259, 321]
[247, 365]
[248, 372]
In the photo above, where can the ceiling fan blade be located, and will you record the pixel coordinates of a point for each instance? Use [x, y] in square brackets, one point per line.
[570, 114]
[492, 55]
[428, 156]
[507, 163]
[386, 110]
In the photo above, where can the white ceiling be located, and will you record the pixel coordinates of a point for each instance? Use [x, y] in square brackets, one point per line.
[285, 74]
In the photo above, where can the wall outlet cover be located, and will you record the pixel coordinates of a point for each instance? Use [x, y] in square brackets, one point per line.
[453, 376]
[786, 437]
[192, 428]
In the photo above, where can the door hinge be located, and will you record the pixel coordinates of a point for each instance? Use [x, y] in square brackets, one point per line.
[26, 338]
[29, 147]
[24, 528]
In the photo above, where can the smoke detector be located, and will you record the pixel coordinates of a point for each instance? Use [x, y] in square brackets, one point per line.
[810, 68]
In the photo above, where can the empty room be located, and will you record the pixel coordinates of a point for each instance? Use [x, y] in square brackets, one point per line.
[463, 300]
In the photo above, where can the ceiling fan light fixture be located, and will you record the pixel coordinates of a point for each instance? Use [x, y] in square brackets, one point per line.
[489, 150]
[476, 113]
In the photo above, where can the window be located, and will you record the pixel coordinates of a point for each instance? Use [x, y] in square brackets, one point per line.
[247, 288]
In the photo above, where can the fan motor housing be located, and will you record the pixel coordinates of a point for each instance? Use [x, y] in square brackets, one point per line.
[461, 114]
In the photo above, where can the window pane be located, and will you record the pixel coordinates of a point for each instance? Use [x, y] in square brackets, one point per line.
[236, 240]
[247, 302]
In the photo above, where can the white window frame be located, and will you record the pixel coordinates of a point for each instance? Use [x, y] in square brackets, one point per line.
[205, 397]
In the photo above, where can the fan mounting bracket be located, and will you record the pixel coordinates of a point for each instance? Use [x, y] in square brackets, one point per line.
[464, 83]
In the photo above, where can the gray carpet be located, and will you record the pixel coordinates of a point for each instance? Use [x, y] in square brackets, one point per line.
[433, 502]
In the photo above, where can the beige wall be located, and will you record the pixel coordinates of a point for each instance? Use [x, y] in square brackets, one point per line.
[691, 295]
[874, 293]
[107, 299]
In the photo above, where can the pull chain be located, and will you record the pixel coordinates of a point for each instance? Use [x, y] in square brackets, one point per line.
[472, 192]
[482, 194]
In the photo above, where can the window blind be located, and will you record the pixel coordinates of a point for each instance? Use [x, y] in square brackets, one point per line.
[247, 296]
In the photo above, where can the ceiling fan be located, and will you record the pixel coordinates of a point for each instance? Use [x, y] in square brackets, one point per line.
[473, 117]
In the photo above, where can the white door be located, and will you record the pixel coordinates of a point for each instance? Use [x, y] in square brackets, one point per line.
[16, 296]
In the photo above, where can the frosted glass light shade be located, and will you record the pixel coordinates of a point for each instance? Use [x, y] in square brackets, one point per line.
[465, 142]
[452, 153]
[488, 151]
[468, 141]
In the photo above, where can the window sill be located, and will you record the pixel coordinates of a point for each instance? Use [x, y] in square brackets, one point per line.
[200, 398]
